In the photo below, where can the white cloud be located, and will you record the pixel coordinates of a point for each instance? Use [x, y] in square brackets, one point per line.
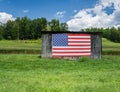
[60, 14]
[4, 17]
[97, 16]
[25, 11]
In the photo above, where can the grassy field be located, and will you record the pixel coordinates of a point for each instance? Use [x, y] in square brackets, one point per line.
[34, 46]
[109, 47]
[30, 73]
[20, 46]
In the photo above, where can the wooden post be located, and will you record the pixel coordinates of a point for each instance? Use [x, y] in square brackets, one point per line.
[96, 46]
[46, 45]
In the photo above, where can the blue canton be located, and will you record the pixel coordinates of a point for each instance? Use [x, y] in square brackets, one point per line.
[60, 39]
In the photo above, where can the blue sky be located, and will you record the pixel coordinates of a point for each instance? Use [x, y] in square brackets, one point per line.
[77, 14]
[44, 8]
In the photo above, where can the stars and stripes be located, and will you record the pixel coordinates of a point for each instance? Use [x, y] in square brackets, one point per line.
[68, 44]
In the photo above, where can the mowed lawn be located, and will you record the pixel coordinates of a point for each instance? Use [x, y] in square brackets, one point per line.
[30, 73]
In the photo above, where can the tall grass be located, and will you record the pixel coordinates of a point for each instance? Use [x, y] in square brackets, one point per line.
[30, 73]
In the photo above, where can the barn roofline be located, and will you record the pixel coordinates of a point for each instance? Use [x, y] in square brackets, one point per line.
[55, 32]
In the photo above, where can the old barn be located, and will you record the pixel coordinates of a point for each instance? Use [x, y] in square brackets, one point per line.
[71, 45]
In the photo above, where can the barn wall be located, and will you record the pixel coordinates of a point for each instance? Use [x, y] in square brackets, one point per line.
[46, 45]
[96, 46]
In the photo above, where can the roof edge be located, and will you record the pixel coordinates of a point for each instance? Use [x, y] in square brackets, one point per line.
[55, 32]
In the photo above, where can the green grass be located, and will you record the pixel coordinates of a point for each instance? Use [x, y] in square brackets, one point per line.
[108, 44]
[30, 73]
[110, 48]
[20, 46]
[34, 46]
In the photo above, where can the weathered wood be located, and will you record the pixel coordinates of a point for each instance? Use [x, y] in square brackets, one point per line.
[46, 45]
[96, 46]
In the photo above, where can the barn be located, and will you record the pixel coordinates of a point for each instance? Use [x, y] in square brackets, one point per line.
[71, 45]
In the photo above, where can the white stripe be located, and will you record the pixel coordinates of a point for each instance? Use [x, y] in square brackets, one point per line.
[78, 40]
[71, 51]
[79, 43]
[78, 36]
[71, 54]
[71, 47]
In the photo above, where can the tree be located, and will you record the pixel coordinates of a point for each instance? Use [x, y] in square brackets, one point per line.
[63, 27]
[55, 25]
[1, 31]
[38, 25]
[11, 30]
[24, 28]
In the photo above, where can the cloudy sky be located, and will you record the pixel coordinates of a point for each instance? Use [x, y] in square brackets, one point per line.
[78, 14]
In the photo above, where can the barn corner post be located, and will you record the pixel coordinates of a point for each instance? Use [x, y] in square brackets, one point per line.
[96, 45]
[46, 45]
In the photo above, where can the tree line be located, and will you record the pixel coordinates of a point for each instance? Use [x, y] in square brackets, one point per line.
[25, 28]
[112, 34]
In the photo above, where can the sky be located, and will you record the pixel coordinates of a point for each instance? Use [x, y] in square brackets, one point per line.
[78, 14]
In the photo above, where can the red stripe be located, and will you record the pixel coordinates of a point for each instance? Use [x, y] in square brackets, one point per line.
[67, 56]
[78, 34]
[79, 41]
[54, 56]
[71, 54]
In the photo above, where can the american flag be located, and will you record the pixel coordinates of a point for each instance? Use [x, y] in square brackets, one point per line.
[71, 44]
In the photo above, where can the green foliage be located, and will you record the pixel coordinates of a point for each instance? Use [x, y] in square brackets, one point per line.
[1, 32]
[29, 73]
[112, 34]
[11, 30]
[25, 28]
[54, 24]
[63, 27]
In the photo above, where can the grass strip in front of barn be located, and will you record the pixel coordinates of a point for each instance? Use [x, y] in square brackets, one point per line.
[30, 73]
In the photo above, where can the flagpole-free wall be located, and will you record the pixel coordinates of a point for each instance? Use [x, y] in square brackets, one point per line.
[95, 44]
[46, 44]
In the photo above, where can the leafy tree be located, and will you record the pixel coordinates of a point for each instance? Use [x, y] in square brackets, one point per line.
[11, 30]
[1, 31]
[55, 25]
[24, 27]
[38, 25]
[63, 27]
